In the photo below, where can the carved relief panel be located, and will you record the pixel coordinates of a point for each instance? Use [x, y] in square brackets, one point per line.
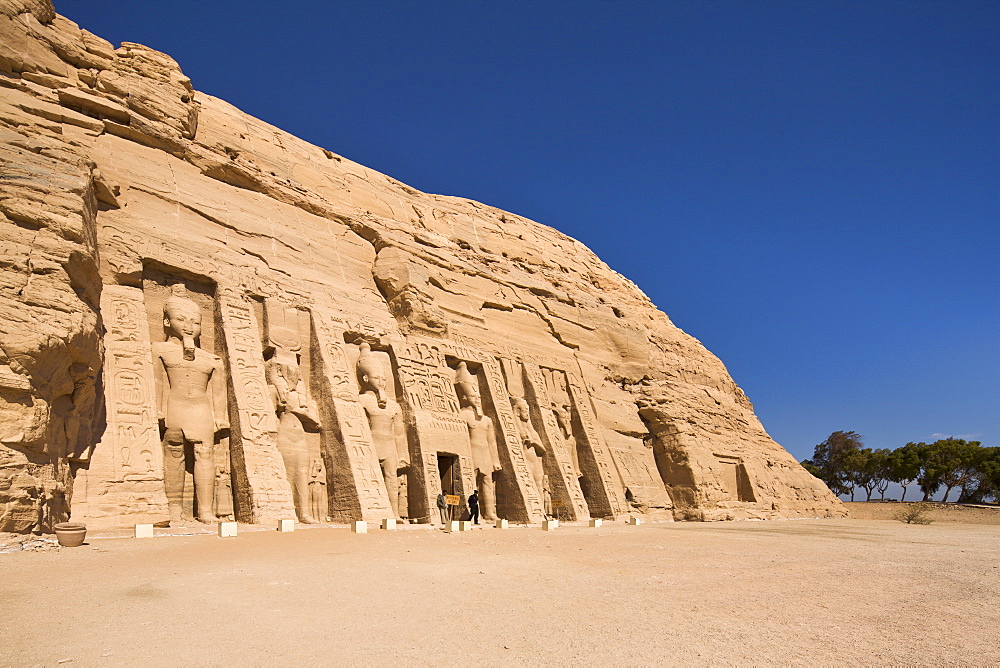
[124, 476]
[357, 488]
[263, 491]
[287, 368]
[553, 411]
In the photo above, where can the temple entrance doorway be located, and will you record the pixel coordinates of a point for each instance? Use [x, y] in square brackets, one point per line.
[449, 473]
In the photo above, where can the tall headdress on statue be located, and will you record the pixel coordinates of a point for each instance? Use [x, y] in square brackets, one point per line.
[179, 299]
[465, 383]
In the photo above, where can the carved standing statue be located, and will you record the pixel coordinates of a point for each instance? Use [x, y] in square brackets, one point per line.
[386, 421]
[190, 384]
[534, 451]
[296, 415]
[564, 418]
[482, 437]
[318, 500]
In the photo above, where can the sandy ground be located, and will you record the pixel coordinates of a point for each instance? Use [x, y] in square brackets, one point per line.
[800, 592]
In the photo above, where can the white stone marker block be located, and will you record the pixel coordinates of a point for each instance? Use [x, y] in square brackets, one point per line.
[501, 524]
[596, 522]
[465, 525]
[452, 525]
[285, 526]
[389, 523]
[227, 529]
[634, 521]
[143, 530]
[550, 525]
[359, 526]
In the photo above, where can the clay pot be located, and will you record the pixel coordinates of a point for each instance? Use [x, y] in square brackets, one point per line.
[70, 534]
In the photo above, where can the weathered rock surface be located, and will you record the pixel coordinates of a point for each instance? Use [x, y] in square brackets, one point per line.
[350, 329]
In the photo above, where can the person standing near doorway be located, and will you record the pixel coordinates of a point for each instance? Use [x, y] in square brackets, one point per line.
[442, 504]
[474, 507]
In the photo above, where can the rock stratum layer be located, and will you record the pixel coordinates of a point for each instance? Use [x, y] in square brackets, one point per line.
[205, 317]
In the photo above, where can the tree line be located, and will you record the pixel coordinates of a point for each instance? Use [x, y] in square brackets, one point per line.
[844, 464]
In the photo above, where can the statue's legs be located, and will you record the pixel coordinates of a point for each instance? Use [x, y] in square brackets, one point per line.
[574, 455]
[296, 461]
[204, 480]
[173, 472]
[487, 495]
[300, 488]
[390, 469]
[294, 449]
[537, 468]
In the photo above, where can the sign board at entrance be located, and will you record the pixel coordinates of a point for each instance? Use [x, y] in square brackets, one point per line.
[557, 504]
[452, 499]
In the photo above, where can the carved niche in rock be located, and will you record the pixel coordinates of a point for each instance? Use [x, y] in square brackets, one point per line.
[482, 437]
[191, 408]
[297, 414]
[386, 421]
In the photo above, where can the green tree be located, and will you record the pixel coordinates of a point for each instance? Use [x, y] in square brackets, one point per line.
[984, 481]
[832, 459]
[904, 466]
[865, 468]
[958, 463]
[883, 469]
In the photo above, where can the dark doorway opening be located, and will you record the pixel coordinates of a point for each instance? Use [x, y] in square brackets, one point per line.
[448, 471]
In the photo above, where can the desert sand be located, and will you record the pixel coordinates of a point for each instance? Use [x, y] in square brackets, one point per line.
[793, 592]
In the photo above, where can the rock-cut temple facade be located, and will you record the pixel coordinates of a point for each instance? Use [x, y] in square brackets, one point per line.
[204, 317]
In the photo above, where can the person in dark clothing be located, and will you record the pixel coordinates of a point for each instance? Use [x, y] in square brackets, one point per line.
[474, 507]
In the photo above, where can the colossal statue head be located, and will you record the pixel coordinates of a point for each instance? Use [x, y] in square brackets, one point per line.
[182, 318]
[371, 374]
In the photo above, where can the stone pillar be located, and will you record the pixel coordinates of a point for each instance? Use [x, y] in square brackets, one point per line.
[565, 483]
[263, 494]
[511, 448]
[607, 498]
[357, 488]
[123, 480]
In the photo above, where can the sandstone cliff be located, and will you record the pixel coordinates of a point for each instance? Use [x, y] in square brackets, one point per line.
[371, 343]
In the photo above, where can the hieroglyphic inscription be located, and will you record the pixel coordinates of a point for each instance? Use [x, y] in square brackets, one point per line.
[426, 379]
[336, 365]
[368, 481]
[127, 465]
[611, 486]
[568, 480]
[532, 496]
[255, 429]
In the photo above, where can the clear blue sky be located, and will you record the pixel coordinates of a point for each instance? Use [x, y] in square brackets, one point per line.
[812, 189]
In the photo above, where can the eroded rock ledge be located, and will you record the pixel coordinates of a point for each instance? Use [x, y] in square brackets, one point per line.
[204, 316]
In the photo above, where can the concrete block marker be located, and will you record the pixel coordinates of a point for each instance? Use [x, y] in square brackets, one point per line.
[451, 526]
[550, 525]
[634, 521]
[596, 522]
[284, 526]
[143, 531]
[465, 525]
[227, 529]
[359, 526]
[389, 524]
[501, 524]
